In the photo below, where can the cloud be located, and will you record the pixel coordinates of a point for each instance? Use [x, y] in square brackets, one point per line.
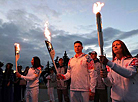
[134, 52]
[128, 34]
[43, 8]
[21, 29]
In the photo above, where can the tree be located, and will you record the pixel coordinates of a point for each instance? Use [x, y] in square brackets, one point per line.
[65, 59]
[45, 72]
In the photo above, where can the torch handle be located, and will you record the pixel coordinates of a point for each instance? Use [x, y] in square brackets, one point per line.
[16, 59]
[51, 52]
[101, 48]
[16, 64]
[55, 66]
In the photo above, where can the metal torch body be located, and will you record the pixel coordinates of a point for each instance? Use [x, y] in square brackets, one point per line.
[51, 52]
[100, 34]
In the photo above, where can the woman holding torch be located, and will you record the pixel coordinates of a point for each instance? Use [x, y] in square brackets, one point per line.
[123, 76]
[32, 88]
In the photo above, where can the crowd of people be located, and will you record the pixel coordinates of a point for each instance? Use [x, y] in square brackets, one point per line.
[89, 80]
[11, 88]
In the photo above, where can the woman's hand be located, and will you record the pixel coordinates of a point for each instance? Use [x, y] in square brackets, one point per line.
[103, 60]
[18, 74]
[103, 73]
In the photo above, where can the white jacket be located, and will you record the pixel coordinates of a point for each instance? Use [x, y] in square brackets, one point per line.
[31, 78]
[82, 73]
[123, 78]
[52, 81]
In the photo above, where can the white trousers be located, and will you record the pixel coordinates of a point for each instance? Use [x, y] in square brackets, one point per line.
[51, 94]
[79, 96]
[32, 94]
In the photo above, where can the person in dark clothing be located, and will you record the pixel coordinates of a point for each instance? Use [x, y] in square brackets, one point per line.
[17, 86]
[100, 89]
[23, 87]
[62, 89]
[8, 79]
[1, 79]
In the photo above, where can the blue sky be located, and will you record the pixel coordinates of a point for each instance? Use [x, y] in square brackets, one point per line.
[22, 21]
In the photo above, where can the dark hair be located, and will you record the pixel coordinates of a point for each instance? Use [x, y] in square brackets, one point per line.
[125, 51]
[78, 42]
[36, 62]
[9, 70]
[60, 59]
[10, 65]
[1, 64]
[19, 66]
[27, 66]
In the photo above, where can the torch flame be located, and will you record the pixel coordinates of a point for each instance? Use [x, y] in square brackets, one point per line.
[97, 7]
[47, 32]
[17, 47]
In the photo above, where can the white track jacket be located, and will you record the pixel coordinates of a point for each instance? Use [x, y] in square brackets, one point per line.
[123, 78]
[82, 73]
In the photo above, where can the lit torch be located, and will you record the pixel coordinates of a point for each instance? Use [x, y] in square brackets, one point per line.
[49, 44]
[17, 56]
[96, 9]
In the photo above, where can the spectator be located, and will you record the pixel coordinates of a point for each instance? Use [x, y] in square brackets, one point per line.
[100, 89]
[23, 87]
[62, 89]
[51, 83]
[1, 80]
[17, 86]
[8, 79]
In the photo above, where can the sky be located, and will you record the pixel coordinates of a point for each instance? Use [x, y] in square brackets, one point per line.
[22, 21]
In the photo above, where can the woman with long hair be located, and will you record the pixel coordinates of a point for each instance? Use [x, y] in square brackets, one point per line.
[123, 76]
[7, 86]
[32, 78]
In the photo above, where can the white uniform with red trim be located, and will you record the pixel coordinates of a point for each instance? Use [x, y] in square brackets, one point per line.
[32, 86]
[82, 73]
[123, 78]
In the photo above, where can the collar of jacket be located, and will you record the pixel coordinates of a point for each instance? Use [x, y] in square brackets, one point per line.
[124, 57]
[83, 54]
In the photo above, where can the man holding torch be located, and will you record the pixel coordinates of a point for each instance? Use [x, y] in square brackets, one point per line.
[83, 75]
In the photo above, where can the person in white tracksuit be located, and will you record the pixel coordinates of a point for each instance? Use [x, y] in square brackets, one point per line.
[83, 75]
[123, 76]
[51, 83]
[32, 78]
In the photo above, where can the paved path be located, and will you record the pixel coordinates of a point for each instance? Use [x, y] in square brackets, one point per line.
[43, 96]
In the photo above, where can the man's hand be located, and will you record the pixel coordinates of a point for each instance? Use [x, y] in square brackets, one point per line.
[59, 76]
[18, 74]
[91, 96]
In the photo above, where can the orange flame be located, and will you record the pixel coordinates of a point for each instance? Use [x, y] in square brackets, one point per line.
[17, 47]
[47, 32]
[97, 7]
